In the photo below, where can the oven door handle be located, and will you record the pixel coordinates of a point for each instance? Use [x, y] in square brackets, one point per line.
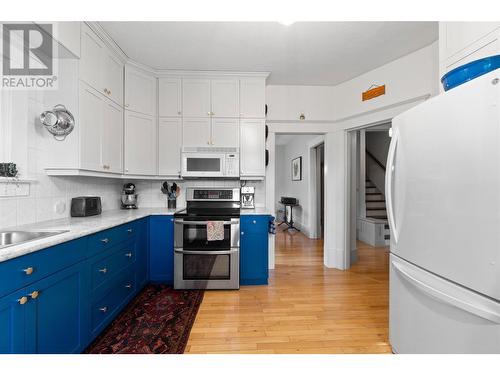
[207, 252]
[182, 222]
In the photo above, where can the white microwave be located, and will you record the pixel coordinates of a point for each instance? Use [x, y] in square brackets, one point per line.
[210, 162]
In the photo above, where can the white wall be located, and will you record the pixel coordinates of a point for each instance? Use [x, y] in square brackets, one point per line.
[302, 190]
[408, 77]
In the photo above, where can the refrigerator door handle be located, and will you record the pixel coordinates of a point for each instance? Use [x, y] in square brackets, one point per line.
[449, 298]
[388, 184]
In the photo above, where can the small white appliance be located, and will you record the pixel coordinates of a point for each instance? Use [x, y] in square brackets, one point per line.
[210, 162]
[247, 197]
[443, 203]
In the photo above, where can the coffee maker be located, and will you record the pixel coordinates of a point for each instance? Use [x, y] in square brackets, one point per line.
[247, 197]
[129, 197]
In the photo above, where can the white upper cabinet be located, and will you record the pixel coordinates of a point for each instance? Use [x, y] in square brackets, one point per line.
[112, 138]
[90, 124]
[140, 144]
[170, 97]
[169, 146]
[252, 98]
[101, 132]
[100, 67]
[92, 50]
[113, 71]
[196, 132]
[252, 148]
[225, 98]
[196, 97]
[140, 91]
[225, 132]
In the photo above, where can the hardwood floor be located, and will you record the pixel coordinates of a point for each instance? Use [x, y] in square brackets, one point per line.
[306, 308]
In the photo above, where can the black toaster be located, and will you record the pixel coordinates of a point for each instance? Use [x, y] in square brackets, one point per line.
[86, 206]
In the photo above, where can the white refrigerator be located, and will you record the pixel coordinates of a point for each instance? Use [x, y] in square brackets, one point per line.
[443, 202]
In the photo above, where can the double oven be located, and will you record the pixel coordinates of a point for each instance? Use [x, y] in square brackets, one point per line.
[200, 262]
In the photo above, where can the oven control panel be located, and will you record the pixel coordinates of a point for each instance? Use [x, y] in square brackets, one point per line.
[213, 194]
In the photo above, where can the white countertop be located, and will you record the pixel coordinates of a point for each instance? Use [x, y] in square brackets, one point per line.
[83, 226]
[77, 227]
[256, 211]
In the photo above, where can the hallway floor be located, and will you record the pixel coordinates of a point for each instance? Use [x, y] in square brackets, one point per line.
[306, 308]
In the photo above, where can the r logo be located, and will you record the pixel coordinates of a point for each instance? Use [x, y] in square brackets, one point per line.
[35, 56]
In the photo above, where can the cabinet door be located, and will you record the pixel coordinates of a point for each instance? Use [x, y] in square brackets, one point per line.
[225, 132]
[140, 144]
[254, 250]
[161, 249]
[252, 147]
[59, 315]
[113, 77]
[196, 97]
[169, 146]
[140, 91]
[252, 98]
[12, 323]
[91, 119]
[112, 137]
[196, 132]
[225, 97]
[169, 97]
[92, 50]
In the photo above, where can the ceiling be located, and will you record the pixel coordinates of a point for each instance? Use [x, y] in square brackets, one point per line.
[304, 53]
[284, 139]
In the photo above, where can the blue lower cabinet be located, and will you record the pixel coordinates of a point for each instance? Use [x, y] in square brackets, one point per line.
[142, 246]
[161, 249]
[12, 323]
[254, 250]
[56, 318]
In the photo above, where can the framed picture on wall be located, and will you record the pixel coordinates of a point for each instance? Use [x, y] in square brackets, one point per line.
[297, 169]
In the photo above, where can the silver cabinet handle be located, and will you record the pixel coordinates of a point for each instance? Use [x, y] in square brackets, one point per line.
[105, 240]
[130, 230]
[255, 221]
[104, 309]
[29, 270]
[242, 233]
[128, 286]
[128, 255]
[103, 270]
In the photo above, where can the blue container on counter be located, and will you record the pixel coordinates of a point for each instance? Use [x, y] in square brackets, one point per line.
[470, 71]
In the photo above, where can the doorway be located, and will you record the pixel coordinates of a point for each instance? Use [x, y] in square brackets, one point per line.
[320, 189]
[369, 227]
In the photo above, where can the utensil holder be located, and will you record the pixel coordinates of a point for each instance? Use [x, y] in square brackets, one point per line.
[171, 202]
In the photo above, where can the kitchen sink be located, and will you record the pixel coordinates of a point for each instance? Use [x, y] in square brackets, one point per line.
[11, 238]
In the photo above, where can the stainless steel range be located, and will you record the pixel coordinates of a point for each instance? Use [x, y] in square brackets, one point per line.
[202, 260]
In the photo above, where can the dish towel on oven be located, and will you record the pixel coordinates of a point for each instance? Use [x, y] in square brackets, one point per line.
[215, 231]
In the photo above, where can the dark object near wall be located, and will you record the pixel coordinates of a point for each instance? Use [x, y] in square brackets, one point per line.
[8, 170]
[289, 200]
[267, 158]
[85, 206]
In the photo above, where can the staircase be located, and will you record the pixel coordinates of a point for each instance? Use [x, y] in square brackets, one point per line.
[375, 207]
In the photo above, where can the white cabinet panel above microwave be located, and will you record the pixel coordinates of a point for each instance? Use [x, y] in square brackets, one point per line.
[196, 132]
[225, 132]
